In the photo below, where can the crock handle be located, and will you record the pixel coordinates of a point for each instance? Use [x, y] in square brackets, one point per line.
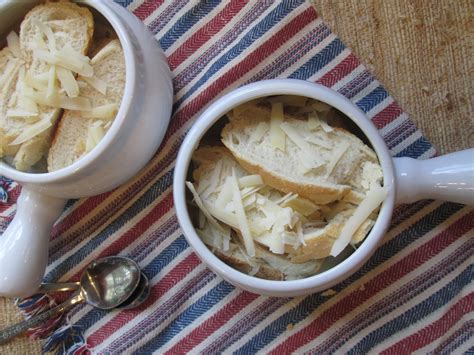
[24, 244]
[449, 178]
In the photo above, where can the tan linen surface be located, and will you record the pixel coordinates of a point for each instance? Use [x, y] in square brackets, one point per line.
[421, 53]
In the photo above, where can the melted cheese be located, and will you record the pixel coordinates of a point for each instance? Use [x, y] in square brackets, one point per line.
[373, 200]
[277, 136]
[13, 42]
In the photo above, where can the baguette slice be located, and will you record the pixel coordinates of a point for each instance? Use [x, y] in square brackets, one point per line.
[70, 139]
[70, 24]
[331, 165]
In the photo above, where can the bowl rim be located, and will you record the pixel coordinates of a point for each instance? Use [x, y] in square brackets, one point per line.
[283, 87]
[119, 121]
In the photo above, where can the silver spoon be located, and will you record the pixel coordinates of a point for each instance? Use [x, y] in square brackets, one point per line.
[105, 284]
[139, 296]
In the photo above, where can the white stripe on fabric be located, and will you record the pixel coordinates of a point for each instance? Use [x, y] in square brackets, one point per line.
[135, 5]
[226, 28]
[265, 322]
[428, 154]
[430, 348]
[202, 318]
[283, 49]
[107, 242]
[229, 65]
[365, 91]
[348, 78]
[194, 28]
[221, 332]
[412, 138]
[379, 107]
[364, 279]
[394, 124]
[145, 315]
[325, 306]
[388, 292]
[189, 301]
[331, 65]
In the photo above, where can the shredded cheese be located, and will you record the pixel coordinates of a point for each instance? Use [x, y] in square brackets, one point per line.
[250, 180]
[259, 132]
[46, 30]
[327, 128]
[201, 206]
[68, 82]
[335, 158]
[96, 83]
[51, 81]
[277, 136]
[319, 142]
[373, 199]
[21, 113]
[13, 42]
[32, 82]
[61, 101]
[241, 217]
[106, 112]
[57, 58]
[313, 121]
[32, 131]
[321, 106]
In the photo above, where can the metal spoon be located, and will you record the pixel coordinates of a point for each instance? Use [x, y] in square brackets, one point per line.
[139, 296]
[105, 284]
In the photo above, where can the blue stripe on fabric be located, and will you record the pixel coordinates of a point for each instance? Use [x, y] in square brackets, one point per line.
[464, 333]
[266, 24]
[373, 99]
[193, 312]
[359, 83]
[145, 200]
[151, 270]
[412, 289]
[416, 149]
[416, 313]
[383, 253]
[319, 61]
[188, 20]
[169, 309]
[124, 3]
[293, 54]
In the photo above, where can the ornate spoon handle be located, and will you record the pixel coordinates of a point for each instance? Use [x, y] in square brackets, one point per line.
[21, 327]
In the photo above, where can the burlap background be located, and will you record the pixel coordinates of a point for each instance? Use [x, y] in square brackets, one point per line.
[422, 53]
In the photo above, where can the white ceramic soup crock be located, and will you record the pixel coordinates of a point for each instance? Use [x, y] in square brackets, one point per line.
[449, 177]
[131, 141]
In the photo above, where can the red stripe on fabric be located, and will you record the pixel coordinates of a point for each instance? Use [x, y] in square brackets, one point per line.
[376, 284]
[12, 197]
[206, 32]
[135, 232]
[147, 8]
[236, 72]
[79, 213]
[173, 277]
[218, 320]
[435, 330]
[339, 71]
[387, 115]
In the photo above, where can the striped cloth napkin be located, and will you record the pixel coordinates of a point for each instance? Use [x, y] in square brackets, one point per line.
[415, 293]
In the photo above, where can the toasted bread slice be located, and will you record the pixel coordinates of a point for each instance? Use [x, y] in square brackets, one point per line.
[70, 139]
[70, 24]
[319, 230]
[329, 167]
